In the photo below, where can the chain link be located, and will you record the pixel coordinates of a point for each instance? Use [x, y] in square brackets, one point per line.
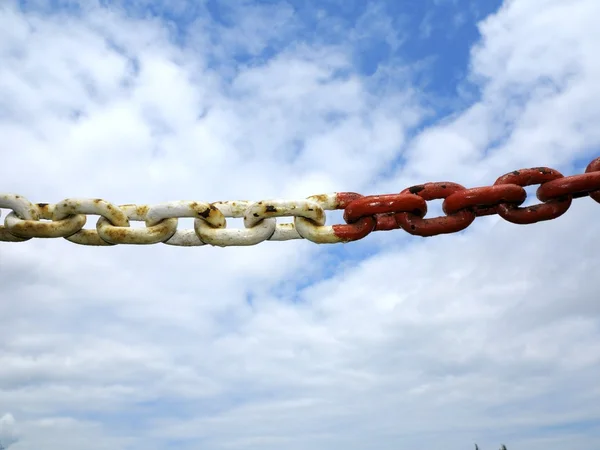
[196, 210]
[29, 228]
[362, 214]
[450, 223]
[534, 213]
[594, 166]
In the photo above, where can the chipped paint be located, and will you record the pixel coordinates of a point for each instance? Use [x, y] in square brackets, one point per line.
[45, 227]
[191, 209]
[224, 237]
[154, 234]
[308, 209]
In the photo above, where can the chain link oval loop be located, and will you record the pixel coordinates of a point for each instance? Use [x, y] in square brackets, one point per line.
[385, 206]
[36, 228]
[320, 233]
[224, 237]
[281, 208]
[191, 209]
[99, 207]
[483, 201]
[594, 166]
[575, 186]
[114, 234]
[23, 209]
[452, 223]
[284, 208]
[535, 213]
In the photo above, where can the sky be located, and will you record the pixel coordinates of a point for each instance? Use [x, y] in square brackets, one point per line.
[488, 336]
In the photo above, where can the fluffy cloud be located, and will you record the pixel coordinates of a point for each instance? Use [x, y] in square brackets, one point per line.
[488, 336]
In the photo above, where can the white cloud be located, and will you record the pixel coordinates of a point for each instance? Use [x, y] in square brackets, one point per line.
[425, 342]
[8, 435]
[536, 67]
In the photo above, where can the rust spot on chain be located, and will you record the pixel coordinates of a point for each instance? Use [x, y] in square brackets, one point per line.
[205, 214]
[270, 208]
[321, 198]
[119, 234]
[44, 210]
[416, 189]
[142, 210]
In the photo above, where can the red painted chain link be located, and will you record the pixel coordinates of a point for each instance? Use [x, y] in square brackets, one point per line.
[574, 187]
[452, 223]
[594, 166]
[357, 229]
[484, 200]
[535, 213]
[384, 208]
[462, 206]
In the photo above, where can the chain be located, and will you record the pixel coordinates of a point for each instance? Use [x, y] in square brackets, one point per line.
[362, 214]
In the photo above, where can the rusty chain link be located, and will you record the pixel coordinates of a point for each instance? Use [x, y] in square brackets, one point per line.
[362, 214]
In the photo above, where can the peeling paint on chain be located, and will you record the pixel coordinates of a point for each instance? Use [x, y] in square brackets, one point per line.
[36, 228]
[259, 211]
[225, 237]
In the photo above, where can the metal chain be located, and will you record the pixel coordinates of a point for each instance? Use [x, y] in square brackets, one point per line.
[362, 214]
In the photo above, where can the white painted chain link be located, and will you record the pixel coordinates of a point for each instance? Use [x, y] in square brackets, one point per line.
[67, 218]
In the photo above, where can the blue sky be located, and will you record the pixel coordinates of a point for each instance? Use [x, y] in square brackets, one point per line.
[489, 335]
